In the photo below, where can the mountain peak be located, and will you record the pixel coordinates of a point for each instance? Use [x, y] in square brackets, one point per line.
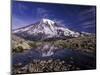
[45, 29]
[44, 20]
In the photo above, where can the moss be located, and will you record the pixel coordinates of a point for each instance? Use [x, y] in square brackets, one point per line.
[33, 44]
[18, 49]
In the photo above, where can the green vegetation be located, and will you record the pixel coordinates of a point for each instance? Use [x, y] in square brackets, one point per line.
[32, 44]
[18, 49]
[35, 44]
[84, 44]
[87, 44]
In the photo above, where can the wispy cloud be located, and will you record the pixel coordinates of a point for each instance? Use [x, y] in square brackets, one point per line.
[88, 23]
[88, 11]
[21, 9]
[87, 14]
[60, 22]
[42, 13]
[17, 22]
[89, 26]
[86, 18]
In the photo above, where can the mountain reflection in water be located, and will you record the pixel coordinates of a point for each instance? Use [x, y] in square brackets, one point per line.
[49, 51]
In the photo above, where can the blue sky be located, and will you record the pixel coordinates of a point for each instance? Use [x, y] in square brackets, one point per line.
[75, 17]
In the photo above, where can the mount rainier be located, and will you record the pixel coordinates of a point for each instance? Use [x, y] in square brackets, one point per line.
[45, 29]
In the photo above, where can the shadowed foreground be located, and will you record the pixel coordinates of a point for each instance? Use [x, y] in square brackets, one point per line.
[49, 66]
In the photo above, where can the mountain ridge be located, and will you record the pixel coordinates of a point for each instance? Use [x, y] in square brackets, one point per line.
[45, 29]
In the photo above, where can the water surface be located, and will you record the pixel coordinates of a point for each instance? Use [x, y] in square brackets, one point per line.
[47, 52]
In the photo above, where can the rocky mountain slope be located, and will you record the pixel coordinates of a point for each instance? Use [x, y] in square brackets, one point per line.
[45, 29]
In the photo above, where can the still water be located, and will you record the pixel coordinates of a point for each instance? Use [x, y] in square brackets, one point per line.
[48, 51]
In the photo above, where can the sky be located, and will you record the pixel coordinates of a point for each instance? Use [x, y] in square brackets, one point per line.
[80, 18]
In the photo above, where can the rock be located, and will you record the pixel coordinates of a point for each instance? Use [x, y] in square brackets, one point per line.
[45, 66]
[31, 67]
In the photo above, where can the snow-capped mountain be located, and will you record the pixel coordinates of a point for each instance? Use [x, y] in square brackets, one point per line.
[45, 29]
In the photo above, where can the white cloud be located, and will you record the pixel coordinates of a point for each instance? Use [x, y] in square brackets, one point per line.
[60, 22]
[42, 13]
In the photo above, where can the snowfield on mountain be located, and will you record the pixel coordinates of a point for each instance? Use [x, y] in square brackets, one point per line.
[45, 29]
